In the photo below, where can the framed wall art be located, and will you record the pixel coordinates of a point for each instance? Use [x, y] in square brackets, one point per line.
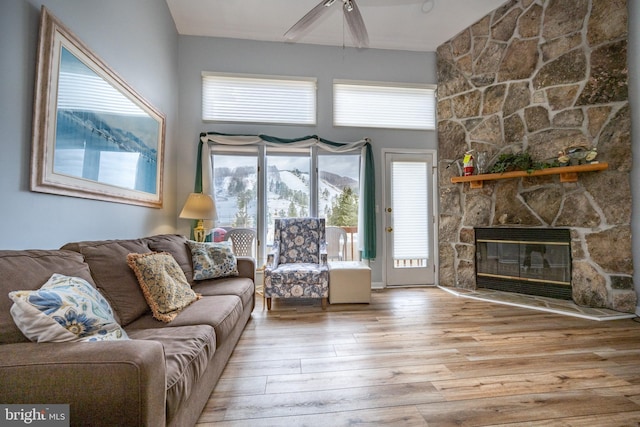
[93, 135]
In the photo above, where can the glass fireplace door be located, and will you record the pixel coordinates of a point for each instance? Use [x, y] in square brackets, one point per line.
[524, 262]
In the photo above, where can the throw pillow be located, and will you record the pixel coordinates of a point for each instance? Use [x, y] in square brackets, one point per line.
[65, 309]
[163, 284]
[212, 260]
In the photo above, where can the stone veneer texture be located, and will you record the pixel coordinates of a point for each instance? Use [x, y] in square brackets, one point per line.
[539, 76]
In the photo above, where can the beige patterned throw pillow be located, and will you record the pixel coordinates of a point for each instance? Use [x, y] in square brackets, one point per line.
[163, 284]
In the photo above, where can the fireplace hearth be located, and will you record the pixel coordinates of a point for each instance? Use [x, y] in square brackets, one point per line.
[533, 261]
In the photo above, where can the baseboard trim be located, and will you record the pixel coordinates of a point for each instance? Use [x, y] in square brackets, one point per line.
[377, 285]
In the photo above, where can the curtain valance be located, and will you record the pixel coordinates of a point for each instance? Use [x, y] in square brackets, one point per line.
[367, 215]
[274, 141]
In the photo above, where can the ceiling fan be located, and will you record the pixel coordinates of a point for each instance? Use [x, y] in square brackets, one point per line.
[352, 15]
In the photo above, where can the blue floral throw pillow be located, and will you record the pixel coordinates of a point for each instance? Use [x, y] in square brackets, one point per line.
[212, 260]
[65, 309]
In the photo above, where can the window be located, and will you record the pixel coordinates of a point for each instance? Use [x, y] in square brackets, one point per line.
[236, 188]
[410, 200]
[338, 203]
[258, 99]
[384, 105]
[339, 188]
[288, 186]
[290, 189]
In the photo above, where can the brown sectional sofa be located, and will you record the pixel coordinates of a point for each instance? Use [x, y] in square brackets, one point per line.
[162, 376]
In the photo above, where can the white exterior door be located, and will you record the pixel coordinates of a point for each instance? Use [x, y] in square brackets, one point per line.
[408, 218]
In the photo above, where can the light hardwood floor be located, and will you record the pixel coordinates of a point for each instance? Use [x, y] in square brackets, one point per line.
[424, 357]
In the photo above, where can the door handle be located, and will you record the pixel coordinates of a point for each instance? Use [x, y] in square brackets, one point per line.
[389, 229]
[389, 210]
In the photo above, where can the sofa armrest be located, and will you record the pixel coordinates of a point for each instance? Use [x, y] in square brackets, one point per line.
[105, 383]
[247, 267]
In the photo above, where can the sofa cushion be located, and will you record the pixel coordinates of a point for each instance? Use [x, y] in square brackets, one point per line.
[64, 309]
[163, 283]
[212, 260]
[188, 350]
[28, 270]
[107, 260]
[222, 312]
[242, 287]
[176, 245]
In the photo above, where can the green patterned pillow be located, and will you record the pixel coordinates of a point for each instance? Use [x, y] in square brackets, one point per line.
[163, 284]
[212, 260]
[65, 309]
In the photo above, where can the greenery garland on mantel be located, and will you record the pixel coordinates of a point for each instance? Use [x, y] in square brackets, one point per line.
[523, 161]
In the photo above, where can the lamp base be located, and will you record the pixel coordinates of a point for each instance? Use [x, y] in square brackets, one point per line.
[199, 233]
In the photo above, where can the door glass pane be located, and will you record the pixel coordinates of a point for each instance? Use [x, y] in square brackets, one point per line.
[338, 198]
[287, 188]
[410, 207]
[235, 185]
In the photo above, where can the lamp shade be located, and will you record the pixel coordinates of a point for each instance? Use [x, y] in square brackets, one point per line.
[199, 206]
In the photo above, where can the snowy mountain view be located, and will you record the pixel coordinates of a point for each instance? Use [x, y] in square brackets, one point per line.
[287, 194]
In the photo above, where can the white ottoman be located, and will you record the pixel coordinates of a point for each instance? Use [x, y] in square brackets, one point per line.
[349, 282]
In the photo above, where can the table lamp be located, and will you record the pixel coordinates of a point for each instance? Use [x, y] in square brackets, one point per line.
[199, 206]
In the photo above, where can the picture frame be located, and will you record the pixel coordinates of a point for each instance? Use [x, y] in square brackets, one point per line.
[93, 135]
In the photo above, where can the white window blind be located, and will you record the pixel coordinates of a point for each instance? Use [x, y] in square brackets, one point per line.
[258, 99]
[384, 105]
[410, 207]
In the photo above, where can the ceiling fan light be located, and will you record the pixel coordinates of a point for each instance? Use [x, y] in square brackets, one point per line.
[348, 5]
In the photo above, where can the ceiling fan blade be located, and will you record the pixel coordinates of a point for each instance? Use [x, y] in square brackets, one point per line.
[305, 22]
[356, 24]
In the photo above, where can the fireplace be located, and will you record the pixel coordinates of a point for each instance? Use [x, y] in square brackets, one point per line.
[534, 261]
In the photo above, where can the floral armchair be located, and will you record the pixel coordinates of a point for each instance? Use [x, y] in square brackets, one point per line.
[297, 265]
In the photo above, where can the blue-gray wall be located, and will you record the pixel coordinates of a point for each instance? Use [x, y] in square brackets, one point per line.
[139, 41]
[197, 54]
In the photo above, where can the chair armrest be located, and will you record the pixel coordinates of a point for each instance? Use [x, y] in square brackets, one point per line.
[105, 383]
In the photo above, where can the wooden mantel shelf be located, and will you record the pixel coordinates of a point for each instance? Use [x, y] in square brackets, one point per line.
[567, 174]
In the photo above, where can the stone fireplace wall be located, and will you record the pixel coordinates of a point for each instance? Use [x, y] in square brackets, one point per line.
[539, 76]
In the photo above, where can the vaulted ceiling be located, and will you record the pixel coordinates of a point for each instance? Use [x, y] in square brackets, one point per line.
[414, 25]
